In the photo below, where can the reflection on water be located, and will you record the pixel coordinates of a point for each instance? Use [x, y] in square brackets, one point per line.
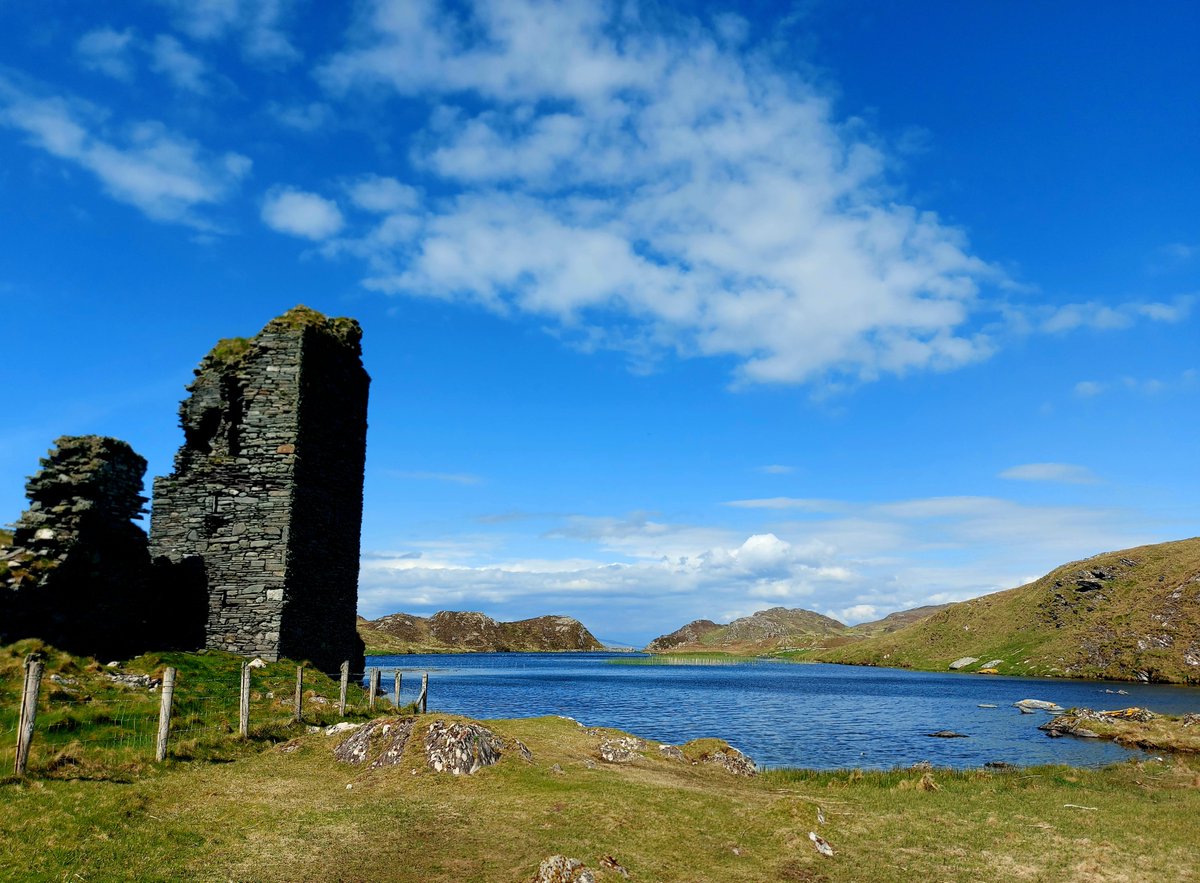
[786, 714]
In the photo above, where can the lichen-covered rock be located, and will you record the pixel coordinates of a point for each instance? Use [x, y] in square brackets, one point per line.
[1072, 723]
[718, 752]
[378, 743]
[560, 869]
[460, 747]
[621, 749]
[671, 752]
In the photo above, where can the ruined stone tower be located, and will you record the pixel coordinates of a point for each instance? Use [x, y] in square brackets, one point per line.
[77, 573]
[265, 503]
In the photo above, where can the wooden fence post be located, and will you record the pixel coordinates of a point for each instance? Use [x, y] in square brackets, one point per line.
[345, 684]
[244, 702]
[298, 703]
[423, 699]
[28, 715]
[373, 690]
[396, 689]
[164, 715]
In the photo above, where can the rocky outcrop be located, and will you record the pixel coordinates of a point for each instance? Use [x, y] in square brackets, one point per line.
[456, 631]
[776, 628]
[692, 633]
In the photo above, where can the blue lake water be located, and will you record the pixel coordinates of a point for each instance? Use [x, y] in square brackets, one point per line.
[785, 714]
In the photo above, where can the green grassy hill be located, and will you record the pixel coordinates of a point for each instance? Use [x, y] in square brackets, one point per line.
[1128, 615]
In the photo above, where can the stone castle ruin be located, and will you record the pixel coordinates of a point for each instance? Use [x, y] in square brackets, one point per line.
[259, 521]
[77, 571]
[266, 494]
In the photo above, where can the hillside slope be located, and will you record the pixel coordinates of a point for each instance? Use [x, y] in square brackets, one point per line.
[1127, 615]
[773, 629]
[451, 631]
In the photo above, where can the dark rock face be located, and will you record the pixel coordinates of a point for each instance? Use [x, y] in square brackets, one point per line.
[264, 508]
[78, 572]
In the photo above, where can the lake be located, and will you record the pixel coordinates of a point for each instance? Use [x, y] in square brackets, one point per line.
[785, 714]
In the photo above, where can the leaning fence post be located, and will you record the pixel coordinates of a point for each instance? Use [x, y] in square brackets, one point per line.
[164, 714]
[28, 716]
[345, 684]
[298, 702]
[423, 699]
[244, 702]
[396, 688]
[373, 690]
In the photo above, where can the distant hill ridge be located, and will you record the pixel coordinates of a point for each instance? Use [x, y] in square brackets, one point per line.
[457, 631]
[778, 628]
[1127, 615]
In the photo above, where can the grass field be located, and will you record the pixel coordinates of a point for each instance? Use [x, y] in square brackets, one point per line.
[279, 807]
[292, 813]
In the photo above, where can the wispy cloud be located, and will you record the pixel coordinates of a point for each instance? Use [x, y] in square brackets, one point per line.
[107, 51]
[258, 26]
[166, 176]
[184, 69]
[452, 477]
[1146, 386]
[777, 469]
[740, 218]
[1065, 473]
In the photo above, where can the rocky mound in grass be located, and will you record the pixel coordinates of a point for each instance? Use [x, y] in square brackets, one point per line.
[450, 631]
[1127, 615]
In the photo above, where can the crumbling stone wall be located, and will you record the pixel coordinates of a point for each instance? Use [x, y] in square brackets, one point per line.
[265, 501]
[77, 572]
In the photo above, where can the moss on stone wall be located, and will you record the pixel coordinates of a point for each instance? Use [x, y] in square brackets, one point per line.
[229, 349]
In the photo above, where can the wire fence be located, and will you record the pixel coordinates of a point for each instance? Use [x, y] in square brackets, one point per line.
[80, 723]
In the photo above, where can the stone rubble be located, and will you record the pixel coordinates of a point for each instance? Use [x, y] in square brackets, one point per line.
[561, 869]
[460, 748]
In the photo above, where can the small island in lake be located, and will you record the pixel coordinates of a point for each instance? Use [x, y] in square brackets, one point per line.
[453, 631]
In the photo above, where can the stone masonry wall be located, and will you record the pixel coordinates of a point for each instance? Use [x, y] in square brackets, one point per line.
[265, 501]
[77, 572]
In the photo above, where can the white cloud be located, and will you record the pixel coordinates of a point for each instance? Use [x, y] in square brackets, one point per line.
[259, 25]
[1089, 388]
[383, 195]
[856, 614]
[777, 469]
[1066, 473]
[107, 51]
[664, 178]
[637, 576]
[166, 176]
[300, 213]
[182, 68]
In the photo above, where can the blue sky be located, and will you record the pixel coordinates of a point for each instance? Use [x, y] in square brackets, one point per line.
[672, 310]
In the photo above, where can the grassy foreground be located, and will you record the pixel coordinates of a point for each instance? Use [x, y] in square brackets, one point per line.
[291, 812]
